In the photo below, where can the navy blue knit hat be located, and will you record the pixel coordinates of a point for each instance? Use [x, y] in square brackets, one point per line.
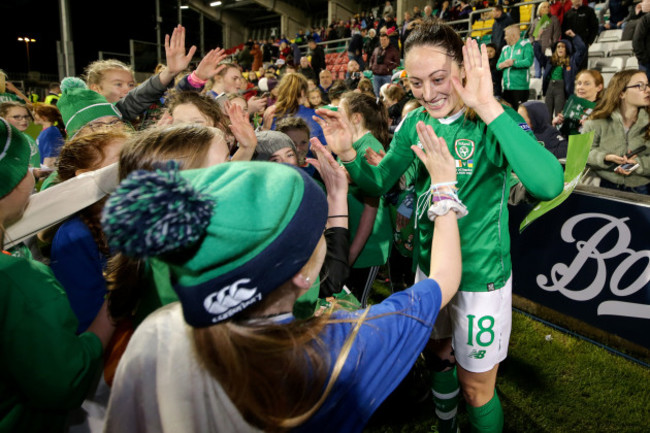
[231, 233]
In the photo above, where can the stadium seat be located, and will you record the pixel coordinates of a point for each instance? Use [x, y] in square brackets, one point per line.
[606, 77]
[610, 35]
[535, 88]
[607, 64]
[632, 63]
[599, 49]
[622, 48]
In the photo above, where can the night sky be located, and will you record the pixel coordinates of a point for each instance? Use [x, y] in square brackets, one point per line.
[96, 26]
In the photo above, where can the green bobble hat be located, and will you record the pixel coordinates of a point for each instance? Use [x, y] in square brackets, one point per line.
[269, 142]
[231, 233]
[79, 105]
[14, 157]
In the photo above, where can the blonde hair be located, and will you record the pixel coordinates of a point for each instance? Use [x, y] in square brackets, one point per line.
[291, 88]
[3, 81]
[96, 70]
[539, 6]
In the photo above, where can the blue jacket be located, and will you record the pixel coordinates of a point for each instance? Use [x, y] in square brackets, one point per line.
[569, 73]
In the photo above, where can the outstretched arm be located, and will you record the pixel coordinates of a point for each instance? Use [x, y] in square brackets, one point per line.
[446, 263]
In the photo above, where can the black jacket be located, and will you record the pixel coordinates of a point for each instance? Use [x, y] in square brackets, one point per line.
[641, 40]
[318, 60]
[583, 22]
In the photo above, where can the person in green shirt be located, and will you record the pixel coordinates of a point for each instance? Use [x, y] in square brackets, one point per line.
[47, 369]
[453, 83]
[515, 61]
[19, 116]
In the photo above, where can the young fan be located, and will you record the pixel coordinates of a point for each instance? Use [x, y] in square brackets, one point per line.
[51, 138]
[79, 250]
[620, 124]
[19, 117]
[561, 70]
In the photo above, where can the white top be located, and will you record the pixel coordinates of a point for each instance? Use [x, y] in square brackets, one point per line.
[172, 393]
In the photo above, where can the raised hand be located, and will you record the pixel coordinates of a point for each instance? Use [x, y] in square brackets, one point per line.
[333, 175]
[338, 133]
[209, 65]
[255, 104]
[477, 92]
[177, 60]
[241, 127]
[436, 157]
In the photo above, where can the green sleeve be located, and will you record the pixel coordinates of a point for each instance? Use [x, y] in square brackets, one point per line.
[526, 59]
[375, 181]
[49, 365]
[539, 171]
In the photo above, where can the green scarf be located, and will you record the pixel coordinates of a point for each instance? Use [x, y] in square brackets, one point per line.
[543, 22]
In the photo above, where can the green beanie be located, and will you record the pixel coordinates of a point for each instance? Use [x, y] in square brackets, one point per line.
[14, 157]
[231, 233]
[79, 105]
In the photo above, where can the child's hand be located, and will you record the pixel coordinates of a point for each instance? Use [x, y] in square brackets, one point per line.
[570, 33]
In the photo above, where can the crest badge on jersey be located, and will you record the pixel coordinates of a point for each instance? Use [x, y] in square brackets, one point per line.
[464, 148]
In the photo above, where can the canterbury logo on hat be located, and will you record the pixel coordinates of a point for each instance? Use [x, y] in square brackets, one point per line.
[231, 299]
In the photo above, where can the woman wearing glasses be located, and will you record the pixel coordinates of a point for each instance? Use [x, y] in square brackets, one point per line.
[19, 116]
[620, 123]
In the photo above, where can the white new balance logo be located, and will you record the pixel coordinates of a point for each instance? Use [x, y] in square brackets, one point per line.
[229, 297]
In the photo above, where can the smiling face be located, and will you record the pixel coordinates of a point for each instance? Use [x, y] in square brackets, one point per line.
[430, 70]
[586, 87]
[115, 84]
[18, 117]
[189, 113]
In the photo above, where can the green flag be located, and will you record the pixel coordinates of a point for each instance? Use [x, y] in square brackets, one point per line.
[576, 160]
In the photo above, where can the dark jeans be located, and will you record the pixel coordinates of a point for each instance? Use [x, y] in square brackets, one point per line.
[643, 189]
[555, 97]
[515, 97]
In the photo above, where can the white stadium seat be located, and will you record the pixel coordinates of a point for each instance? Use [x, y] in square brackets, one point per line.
[610, 35]
[536, 87]
[632, 63]
[606, 77]
[607, 64]
[622, 48]
[599, 49]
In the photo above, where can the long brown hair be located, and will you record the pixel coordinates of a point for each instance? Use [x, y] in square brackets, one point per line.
[373, 113]
[86, 153]
[277, 375]
[147, 150]
[561, 61]
[291, 88]
[52, 115]
[612, 98]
